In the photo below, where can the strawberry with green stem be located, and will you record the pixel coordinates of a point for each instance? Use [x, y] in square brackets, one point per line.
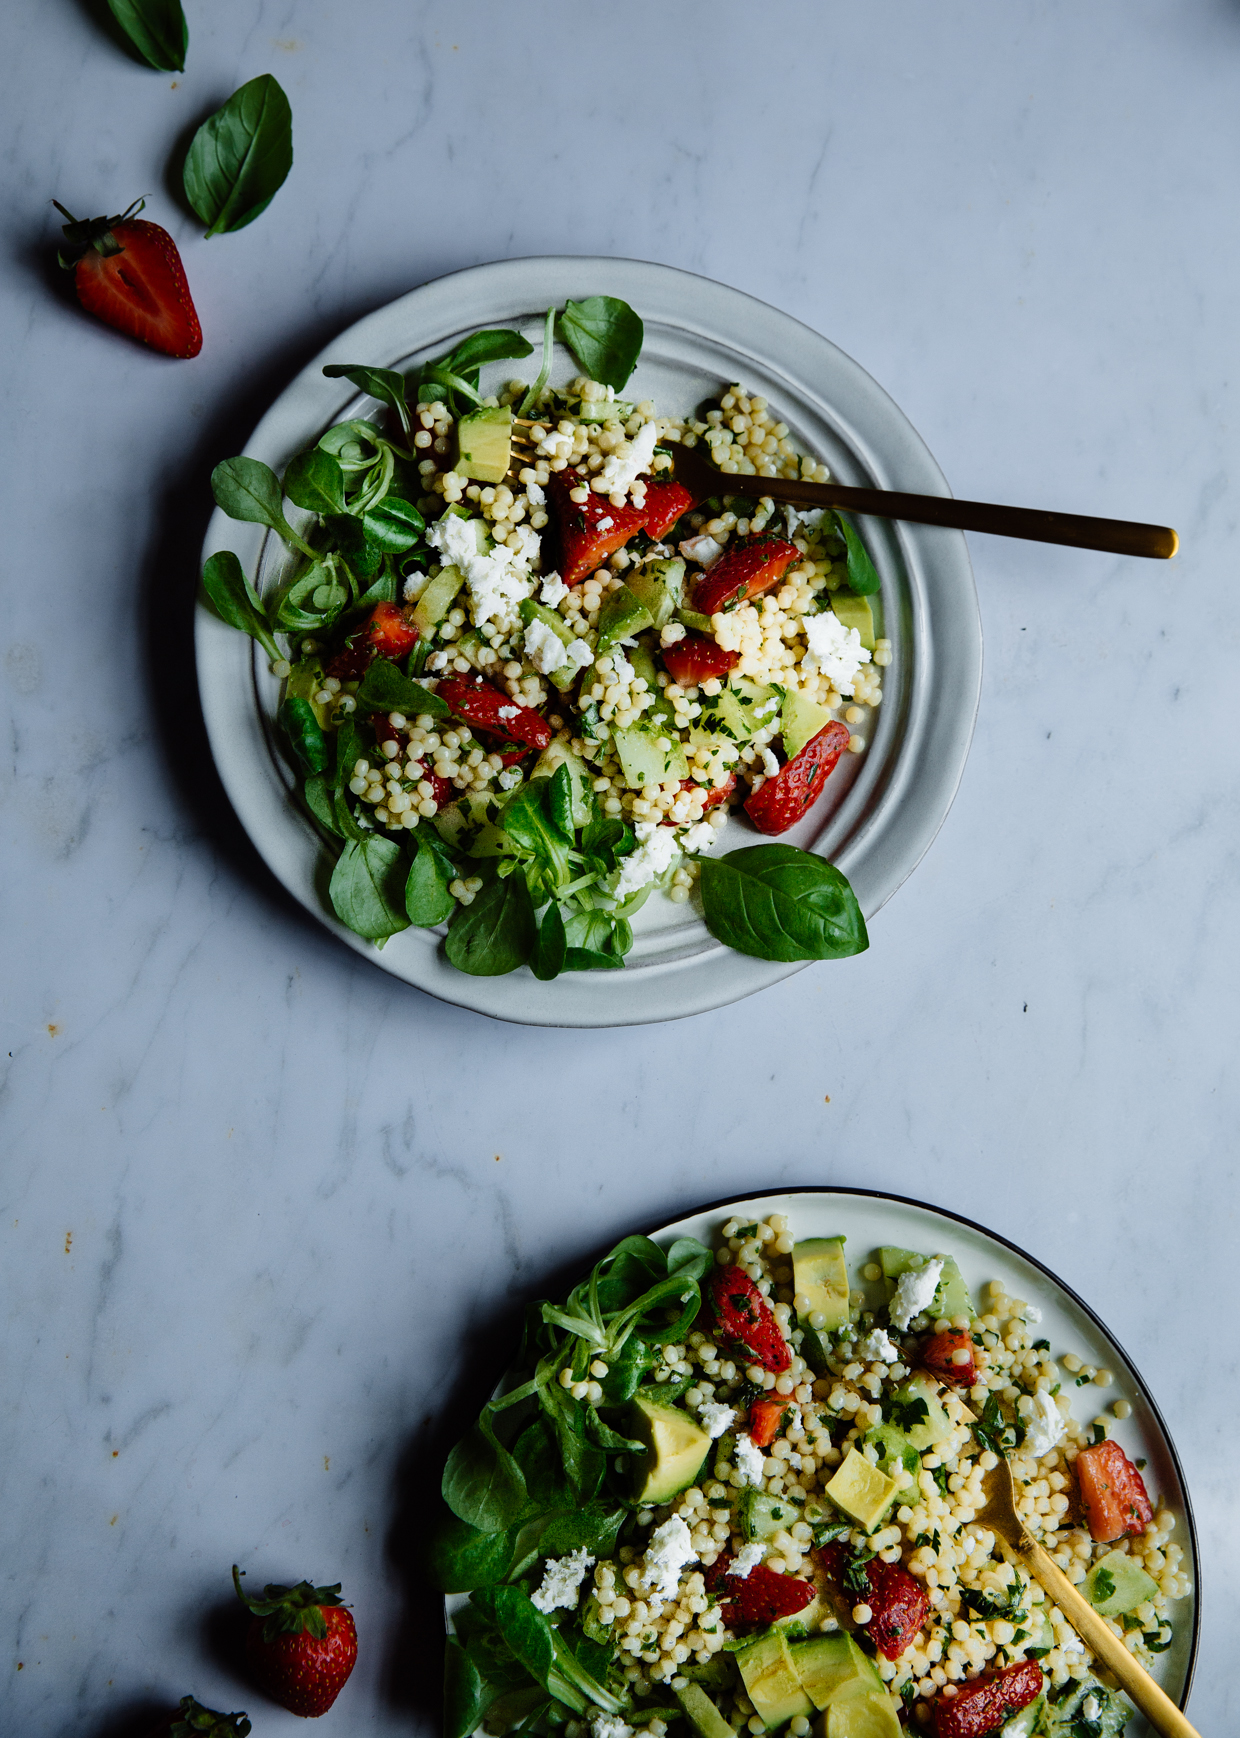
[301, 1643]
[129, 273]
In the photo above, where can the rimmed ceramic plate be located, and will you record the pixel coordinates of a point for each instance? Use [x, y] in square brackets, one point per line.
[879, 813]
[869, 1219]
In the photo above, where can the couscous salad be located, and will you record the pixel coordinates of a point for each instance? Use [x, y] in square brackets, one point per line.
[527, 674]
[726, 1490]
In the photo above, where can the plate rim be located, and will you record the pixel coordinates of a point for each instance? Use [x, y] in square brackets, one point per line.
[670, 988]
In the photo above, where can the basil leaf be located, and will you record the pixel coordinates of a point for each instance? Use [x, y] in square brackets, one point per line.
[778, 903]
[493, 345]
[321, 804]
[235, 601]
[689, 1259]
[156, 28]
[427, 899]
[384, 384]
[296, 719]
[464, 1696]
[482, 1483]
[315, 481]
[394, 525]
[250, 490]
[862, 574]
[367, 888]
[496, 933]
[385, 689]
[240, 156]
[547, 959]
[605, 335]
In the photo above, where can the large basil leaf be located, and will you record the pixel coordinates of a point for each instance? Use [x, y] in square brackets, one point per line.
[367, 887]
[496, 933]
[385, 384]
[156, 28]
[235, 601]
[248, 489]
[301, 727]
[427, 899]
[605, 335]
[385, 689]
[240, 156]
[464, 1695]
[778, 903]
[482, 1483]
[493, 345]
[862, 574]
[315, 481]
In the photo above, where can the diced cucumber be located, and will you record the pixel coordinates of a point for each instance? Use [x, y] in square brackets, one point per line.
[952, 1297]
[643, 665]
[621, 617]
[898, 1459]
[659, 585]
[702, 1713]
[437, 598]
[761, 1515]
[643, 759]
[1116, 1585]
[695, 621]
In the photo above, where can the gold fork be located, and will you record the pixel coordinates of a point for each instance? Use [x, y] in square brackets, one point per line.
[999, 1514]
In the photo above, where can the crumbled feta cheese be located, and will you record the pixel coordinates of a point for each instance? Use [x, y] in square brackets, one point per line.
[562, 1580]
[415, 585]
[834, 650]
[703, 549]
[914, 1292]
[536, 494]
[746, 1559]
[770, 765]
[508, 711]
[543, 647]
[877, 1348]
[623, 669]
[699, 837]
[605, 524]
[579, 654]
[715, 1417]
[1044, 1426]
[1091, 1707]
[656, 848]
[555, 445]
[437, 661]
[608, 1725]
[622, 469]
[750, 1460]
[1033, 1314]
[553, 589]
[495, 584]
[509, 778]
[670, 1547]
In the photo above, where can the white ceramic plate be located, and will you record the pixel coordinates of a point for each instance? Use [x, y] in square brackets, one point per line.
[879, 813]
[869, 1219]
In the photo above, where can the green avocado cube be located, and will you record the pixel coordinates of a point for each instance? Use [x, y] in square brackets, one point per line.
[484, 440]
[827, 1663]
[771, 1680]
[862, 1491]
[855, 612]
[675, 1448]
[819, 1273]
[860, 1712]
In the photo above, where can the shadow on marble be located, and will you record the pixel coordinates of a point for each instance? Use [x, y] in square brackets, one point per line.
[140, 1716]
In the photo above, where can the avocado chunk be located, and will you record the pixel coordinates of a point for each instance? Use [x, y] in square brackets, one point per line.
[621, 618]
[659, 585]
[761, 1515]
[952, 1297]
[827, 1663]
[643, 665]
[898, 1459]
[643, 759]
[819, 1271]
[1116, 1585]
[702, 1713]
[675, 1445]
[860, 1712]
[855, 612]
[800, 721]
[436, 600]
[484, 440]
[861, 1491]
[926, 1430]
[771, 1680]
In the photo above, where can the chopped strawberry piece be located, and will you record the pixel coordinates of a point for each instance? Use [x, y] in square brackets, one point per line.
[756, 1600]
[764, 1417]
[697, 659]
[1112, 1492]
[743, 1317]
[984, 1704]
[444, 792]
[489, 710]
[897, 1600]
[665, 504]
[386, 633]
[591, 530]
[787, 796]
[940, 1355]
[744, 571]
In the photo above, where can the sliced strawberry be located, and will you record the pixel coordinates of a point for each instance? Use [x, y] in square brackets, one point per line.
[744, 571]
[665, 504]
[697, 659]
[898, 1602]
[764, 1417]
[756, 1600]
[387, 632]
[783, 799]
[488, 709]
[1113, 1492]
[129, 273]
[744, 1318]
[984, 1704]
[590, 531]
[940, 1355]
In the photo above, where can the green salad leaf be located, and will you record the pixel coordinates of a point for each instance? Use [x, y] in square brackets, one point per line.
[385, 384]
[240, 156]
[605, 335]
[384, 688]
[496, 933]
[297, 721]
[780, 903]
[248, 489]
[367, 888]
[315, 481]
[862, 574]
[235, 601]
[156, 29]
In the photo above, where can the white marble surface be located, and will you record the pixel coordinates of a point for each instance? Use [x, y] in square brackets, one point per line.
[262, 1208]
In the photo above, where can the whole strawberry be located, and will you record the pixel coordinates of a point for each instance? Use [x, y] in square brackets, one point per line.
[192, 1720]
[130, 274]
[301, 1644]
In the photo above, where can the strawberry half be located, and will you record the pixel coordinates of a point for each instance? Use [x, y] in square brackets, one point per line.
[744, 571]
[665, 504]
[697, 659]
[192, 1720]
[984, 1704]
[782, 800]
[130, 274]
[898, 1602]
[590, 530]
[743, 1316]
[301, 1644]
[756, 1600]
[387, 632]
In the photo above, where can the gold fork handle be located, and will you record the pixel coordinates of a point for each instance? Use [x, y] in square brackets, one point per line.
[1117, 536]
[1153, 1702]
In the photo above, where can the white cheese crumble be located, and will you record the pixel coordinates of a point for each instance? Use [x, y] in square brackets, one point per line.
[508, 711]
[770, 765]
[555, 445]
[914, 1292]
[699, 837]
[669, 1549]
[536, 494]
[715, 1417]
[1044, 1426]
[750, 1460]
[1091, 1707]
[1033, 1314]
[579, 654]
[834, 650]
[543, 647]
[414, 586]
[553, 589]
[878, 1348]
[746, 1559]
[608, 1725]
[562, 1580]
[605, 524]
[703, 549]
[656, 848]
[495, 580]
[509, 778]
[623, 669]
[622, 469]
